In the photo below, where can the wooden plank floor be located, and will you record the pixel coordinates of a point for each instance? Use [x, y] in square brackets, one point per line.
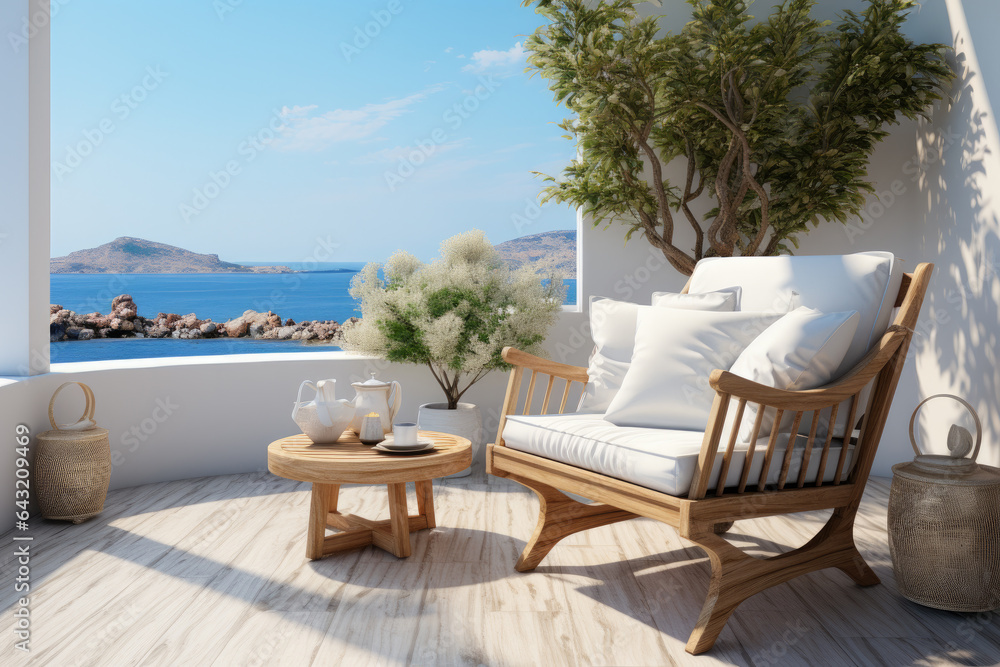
[212, 572]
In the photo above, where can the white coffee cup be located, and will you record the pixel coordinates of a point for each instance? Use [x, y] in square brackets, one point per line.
[404, 433]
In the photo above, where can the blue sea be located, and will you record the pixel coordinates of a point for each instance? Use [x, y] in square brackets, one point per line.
[317, 294]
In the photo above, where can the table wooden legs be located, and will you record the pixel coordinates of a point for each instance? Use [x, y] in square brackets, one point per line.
[392, 535]
[425, 502]
[399, 521]
[324, 496]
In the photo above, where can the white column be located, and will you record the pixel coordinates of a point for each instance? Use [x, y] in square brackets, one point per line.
[24, 186]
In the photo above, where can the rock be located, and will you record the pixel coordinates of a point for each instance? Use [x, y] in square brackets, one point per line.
[281, 333]
[252, 323]
[124, 321]
[238, 327]
[96, 321]
[122, 325]
[158, 331]
[61, 316]
[123, 308]
[122, 302]
[189, 321]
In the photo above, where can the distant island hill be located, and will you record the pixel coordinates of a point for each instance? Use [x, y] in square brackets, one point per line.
[134, 255]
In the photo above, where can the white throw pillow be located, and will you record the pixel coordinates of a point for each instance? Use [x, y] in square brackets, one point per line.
[721, 301]
[612, 326]
[802, 350]
[675, 353]
[867, 282]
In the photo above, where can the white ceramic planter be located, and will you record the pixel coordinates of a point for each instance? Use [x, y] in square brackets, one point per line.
[465, 422]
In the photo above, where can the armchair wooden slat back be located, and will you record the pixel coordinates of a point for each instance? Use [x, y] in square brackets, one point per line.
[571, 376]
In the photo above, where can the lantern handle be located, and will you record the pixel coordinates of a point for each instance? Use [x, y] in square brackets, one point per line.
[972, 411]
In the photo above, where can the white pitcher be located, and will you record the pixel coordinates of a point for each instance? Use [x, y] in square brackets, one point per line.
[324, 418]
[374, 395]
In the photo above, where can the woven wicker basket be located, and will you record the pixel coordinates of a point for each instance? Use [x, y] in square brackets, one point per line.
[73, 465]
[944, 528]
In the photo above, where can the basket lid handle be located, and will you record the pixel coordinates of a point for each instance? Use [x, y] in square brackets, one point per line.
[86, 421]
[972, 411]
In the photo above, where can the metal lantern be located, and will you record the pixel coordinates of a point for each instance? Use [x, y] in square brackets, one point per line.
[944, 524]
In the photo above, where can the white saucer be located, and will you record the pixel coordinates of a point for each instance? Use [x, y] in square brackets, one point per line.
[390, 443]
[425, 446]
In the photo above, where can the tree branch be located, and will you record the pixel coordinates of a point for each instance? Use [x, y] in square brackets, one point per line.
[439, 381]
[678, 259]
[654, 163]
[689, 196]
[738, 135]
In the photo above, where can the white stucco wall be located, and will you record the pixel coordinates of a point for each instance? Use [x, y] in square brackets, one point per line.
[229, 409]
[24, 184]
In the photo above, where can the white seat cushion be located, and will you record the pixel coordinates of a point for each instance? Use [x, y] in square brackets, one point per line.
[659, 459]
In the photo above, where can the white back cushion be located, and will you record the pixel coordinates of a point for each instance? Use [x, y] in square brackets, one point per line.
[722, 301]
[866, 282]
[666, 385]
[612, 325]
[800, 351]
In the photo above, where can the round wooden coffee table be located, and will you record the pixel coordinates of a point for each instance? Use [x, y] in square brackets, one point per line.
[350, 462]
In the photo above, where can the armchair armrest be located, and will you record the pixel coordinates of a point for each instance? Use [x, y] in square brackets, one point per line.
[522, 361]
[730, 387]
[844, 388]
[516, 357]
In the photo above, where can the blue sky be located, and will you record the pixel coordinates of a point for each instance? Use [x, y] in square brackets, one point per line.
[267, 131]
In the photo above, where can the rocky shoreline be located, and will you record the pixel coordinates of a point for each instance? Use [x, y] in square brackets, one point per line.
[124, 321]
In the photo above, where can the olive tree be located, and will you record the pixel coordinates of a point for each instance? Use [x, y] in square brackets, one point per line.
[774, 119]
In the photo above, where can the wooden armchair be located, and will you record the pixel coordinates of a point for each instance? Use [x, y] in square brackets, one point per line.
[707, 512]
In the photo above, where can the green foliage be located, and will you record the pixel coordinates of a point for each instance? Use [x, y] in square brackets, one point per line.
[454, 315]
[776, 119]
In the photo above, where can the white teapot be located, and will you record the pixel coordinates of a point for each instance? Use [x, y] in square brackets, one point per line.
[324, 418]
[374, 395]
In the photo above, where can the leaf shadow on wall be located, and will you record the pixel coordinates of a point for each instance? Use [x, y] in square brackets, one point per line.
[959, 330]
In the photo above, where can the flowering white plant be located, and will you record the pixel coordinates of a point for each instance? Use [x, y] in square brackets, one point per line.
[455, 314]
